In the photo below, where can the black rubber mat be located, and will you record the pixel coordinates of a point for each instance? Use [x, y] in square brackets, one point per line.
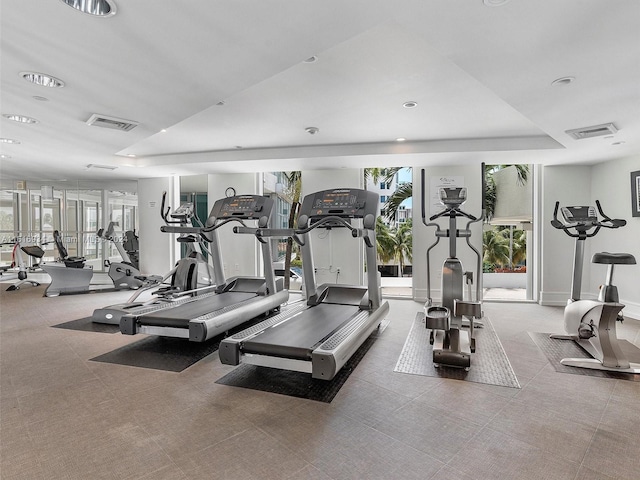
[489, 364]
[161, 353]
[555, 350]
[297, 384]
[86, 325]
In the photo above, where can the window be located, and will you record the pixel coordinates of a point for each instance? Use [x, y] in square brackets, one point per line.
[383, 186]
[383, 198]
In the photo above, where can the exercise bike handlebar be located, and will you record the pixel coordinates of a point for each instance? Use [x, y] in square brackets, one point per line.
[582, 228]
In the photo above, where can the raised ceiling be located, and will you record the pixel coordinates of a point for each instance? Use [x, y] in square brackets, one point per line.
[231, 84]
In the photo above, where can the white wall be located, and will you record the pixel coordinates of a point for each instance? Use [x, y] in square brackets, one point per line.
[424, 236]
[240, 253]
[611, 184]
[335, 249]
[157, 249]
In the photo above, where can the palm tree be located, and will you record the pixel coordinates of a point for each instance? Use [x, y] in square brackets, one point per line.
[403, 244]
[392, 205]
[377, 174]
[384, 241]
[294, 191]
[495, 248]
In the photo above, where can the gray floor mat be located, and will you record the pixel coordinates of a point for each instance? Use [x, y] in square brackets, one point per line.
[555, 350]
[488, 365]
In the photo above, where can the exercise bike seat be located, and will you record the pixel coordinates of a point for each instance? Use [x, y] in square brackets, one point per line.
[613, 258]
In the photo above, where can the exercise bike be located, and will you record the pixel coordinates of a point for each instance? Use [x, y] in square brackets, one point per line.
[590, 323]
[452, 345]
[123, 274]
[18, 260]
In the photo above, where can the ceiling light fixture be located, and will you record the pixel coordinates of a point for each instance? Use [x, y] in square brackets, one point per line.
[618, 143]
[495, 3]
[9, 140]
[410, 104]
[312, 59]
[312, 130]
[19, 118]
[164, 130]
[558, 82]
[42, 79]
[401, 139]
[5, 156]
[97, 8]
[40, 99]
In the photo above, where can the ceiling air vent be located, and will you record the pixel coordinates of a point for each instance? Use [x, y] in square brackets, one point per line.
[595, 131]
[103, 167]
[105, 121]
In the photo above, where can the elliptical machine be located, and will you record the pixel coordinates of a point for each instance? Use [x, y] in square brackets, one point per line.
[451, 345]
[592, 324]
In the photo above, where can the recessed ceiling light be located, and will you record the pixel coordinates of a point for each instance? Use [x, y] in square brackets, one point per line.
[563, 81]
[312, 130]
[220, 103]
[40, 99]
[9, 140]
[98, 8]
[42, 79]
[19, 118]
[164, 130]
[131, 155]
[618, 143]
[312, 59]
[401, 139]
[410, 104]
[494, 3]
[5, 156]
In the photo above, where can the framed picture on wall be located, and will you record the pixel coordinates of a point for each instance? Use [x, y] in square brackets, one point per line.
[635, 193]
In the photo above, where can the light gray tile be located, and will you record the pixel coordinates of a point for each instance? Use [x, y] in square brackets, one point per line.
[614, 454]
[544, 429]
[497, 456]
[428, 429]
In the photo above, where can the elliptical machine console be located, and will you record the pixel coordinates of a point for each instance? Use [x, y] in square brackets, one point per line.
[590, 323]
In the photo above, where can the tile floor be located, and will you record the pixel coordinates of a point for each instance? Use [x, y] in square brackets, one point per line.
[66, 417]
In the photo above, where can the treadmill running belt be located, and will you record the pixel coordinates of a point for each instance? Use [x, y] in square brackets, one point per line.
[179, 316]
[298, 336]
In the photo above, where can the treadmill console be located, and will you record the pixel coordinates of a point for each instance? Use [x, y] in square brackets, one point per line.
[580, 214]
[243, 207]
[341, 202]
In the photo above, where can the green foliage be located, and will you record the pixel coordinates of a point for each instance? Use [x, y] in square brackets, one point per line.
[394, 244]
[392, 205]
[496, 248]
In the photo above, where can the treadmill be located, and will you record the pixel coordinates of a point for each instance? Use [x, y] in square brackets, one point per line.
[234, 301]
[320, 336]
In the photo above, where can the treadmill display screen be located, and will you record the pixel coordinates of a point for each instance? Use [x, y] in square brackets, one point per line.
[336, 202]
[240, 206]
